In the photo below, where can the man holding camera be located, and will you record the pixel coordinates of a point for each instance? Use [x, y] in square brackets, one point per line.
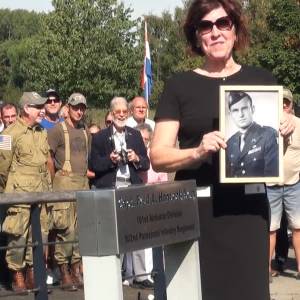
[118, 153]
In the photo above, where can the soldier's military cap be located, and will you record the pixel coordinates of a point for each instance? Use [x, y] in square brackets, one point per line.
[76, 98]
[236, 96]
[32, 98]
[287, 94]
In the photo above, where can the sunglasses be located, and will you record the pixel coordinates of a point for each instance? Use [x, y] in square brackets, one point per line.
[49, 101]
[223, 23]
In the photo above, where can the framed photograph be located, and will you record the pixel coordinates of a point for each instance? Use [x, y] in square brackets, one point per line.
[250, 119]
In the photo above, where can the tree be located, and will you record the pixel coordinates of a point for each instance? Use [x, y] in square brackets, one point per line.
[275, 40]
[89, 46]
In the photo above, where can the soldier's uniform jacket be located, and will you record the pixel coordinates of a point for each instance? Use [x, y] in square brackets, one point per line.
[23, 168]
[259, 156]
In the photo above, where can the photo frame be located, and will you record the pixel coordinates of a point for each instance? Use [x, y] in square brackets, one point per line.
[250, 119]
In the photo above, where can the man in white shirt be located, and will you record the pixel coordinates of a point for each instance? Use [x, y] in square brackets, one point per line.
[139, 109]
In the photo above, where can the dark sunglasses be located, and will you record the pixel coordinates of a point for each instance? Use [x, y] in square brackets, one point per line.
[49, 101]
[223, 23]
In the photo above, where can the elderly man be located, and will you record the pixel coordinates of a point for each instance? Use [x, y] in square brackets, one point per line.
[9, 114]
[253, 150]
[139, 109]
[118, 154]
[69, 148]
[23, 168]
[285, 197]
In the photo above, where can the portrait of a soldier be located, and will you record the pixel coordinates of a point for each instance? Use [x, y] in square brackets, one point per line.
[253, 150]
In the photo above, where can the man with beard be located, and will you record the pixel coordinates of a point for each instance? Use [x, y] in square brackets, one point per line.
[118, 154]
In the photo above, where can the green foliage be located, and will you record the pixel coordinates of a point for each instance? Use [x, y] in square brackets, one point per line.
[86, 46]
[276, 40]
[18, 24]
[94, 47]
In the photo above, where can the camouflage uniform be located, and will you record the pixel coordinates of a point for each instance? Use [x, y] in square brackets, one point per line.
[23, 169]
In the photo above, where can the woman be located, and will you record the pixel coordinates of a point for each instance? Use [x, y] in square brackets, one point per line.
[234, 226]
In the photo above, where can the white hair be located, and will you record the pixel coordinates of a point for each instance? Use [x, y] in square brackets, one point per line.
[117, 100]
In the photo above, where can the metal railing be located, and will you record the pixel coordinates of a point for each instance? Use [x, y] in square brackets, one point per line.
[34, 199]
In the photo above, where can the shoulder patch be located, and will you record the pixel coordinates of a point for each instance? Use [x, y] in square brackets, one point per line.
[5, 142]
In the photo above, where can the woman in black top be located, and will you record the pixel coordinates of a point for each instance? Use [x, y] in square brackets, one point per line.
[233, 226]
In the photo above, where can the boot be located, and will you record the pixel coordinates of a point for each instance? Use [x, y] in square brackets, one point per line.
[29, 279]
[18, 282]
[76, 274]
[66, 279]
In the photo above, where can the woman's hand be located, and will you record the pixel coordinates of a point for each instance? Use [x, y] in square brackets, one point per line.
[287, 125]
[211, 142]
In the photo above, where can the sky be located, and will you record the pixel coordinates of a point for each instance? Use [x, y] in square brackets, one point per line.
[140, 6]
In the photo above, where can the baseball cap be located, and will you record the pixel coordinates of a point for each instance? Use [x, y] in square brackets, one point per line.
[287, 94]
[52, 93]
[31, 98]
[76, 98]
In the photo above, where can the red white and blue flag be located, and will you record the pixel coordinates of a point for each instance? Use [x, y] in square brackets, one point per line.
[146, 81]
[5, 142]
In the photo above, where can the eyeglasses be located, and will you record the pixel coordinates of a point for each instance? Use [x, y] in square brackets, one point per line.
[119, 111]
[50, 101]
[223, 23]
[141, 107]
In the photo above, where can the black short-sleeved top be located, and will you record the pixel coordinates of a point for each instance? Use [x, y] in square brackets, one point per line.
[193, 100]
[234, 235]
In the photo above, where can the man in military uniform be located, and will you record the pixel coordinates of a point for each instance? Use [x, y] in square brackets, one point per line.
[69, 147]
[24, 154]
[253, 150]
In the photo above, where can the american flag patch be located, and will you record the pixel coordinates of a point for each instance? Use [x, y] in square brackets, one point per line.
[5, 142]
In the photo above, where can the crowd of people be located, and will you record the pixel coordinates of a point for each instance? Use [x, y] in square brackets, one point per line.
[48, 147]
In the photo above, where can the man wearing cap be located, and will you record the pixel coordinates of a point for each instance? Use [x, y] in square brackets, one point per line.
[253, 150]
[52, 108]
[23, 168]
[69, 148]
[285, 197]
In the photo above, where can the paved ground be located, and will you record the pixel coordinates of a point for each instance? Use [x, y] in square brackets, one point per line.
[286, 287]
[57, 294]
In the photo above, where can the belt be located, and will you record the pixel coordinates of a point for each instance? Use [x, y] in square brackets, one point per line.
[122, 179]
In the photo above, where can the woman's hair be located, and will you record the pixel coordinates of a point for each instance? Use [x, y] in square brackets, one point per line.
[199, 8]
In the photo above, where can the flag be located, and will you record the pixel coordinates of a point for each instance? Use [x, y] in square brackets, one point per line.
[5, 142]
[146, 81]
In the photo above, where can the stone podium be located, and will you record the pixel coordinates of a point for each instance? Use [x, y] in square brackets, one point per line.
[115, 221]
